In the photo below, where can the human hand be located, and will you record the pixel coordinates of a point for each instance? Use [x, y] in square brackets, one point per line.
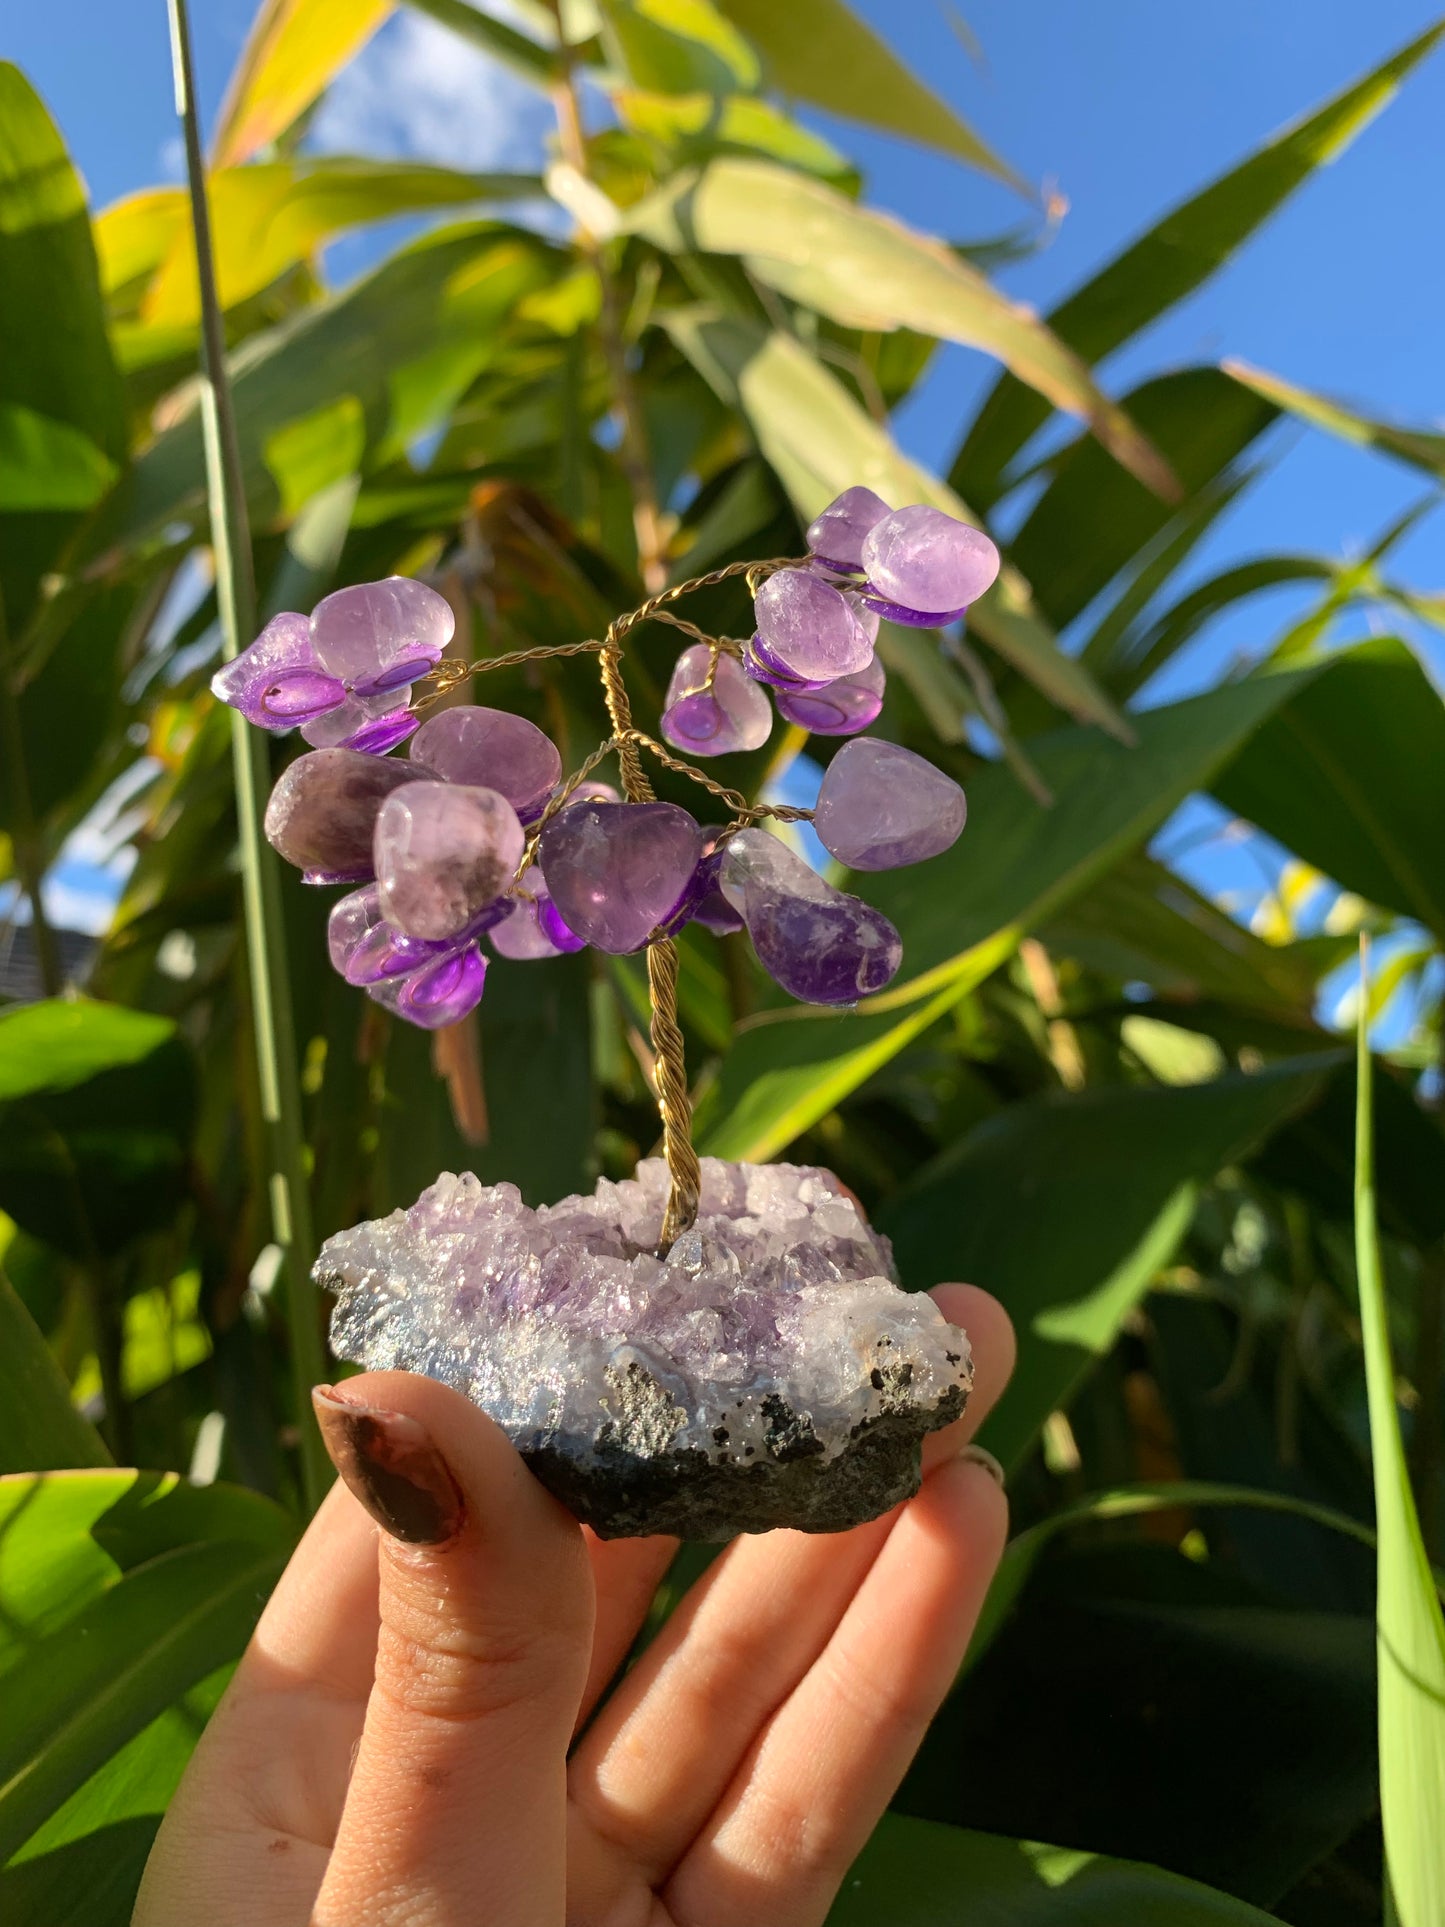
[394, 1748]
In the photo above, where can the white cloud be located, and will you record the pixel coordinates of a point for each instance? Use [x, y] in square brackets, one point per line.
[419, 92]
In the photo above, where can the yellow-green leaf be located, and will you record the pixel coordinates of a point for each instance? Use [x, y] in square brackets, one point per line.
[868, 270]
[821, 52]
[679, 46]
[1409, 1627]
[295, 49]
[1421, 447]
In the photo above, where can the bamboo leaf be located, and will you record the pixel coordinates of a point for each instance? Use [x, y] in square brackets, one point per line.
[1350, 775]
[40, 1429]
[869, 270]
[268, 216]
[1409, 1626]
[679, 47]
[1176, 255]
[120, 1591]
[918, 1873]
[294, 50]
[1421, 448]
[819, 51]
[964, 913]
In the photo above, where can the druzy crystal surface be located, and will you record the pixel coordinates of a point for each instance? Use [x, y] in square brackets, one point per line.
[714, 708]
[928, 562]
[767, 1372]
[821, 945]
[880, 806]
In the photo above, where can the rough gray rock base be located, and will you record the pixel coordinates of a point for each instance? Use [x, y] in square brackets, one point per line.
[767, 1372]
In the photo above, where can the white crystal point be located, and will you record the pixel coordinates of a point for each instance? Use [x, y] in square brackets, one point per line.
[767, 1372]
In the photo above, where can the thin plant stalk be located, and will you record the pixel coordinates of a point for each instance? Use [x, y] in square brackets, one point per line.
[29, 859]
[273, 1022]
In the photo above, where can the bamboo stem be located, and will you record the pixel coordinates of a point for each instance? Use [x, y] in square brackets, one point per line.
[29, 853]
[273, 1023]
[634, 452]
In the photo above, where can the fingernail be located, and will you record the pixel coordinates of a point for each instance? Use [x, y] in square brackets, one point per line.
[976, 1455]
[390, 1463]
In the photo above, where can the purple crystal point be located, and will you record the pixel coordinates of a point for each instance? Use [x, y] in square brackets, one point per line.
[277, 682]
[839, 708]
[493, 749]
[823, 947]
[372, 723]
[927, 563]
[881, 806]
[810, 629]
[378, 636]
[732, 715]
[838, 534]
[616, 870]
[439, 993]
[444, 851]
[323, 811]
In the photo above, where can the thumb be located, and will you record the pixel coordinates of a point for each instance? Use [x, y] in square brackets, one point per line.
[459, 1786]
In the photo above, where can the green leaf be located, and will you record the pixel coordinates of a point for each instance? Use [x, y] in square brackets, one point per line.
[1066, 1208]
[916, 1873]
[294, 51]
[1155, 642]
[40, 1429]
[679, 46]
[519, 52]
[404, 342]
[1173, 258]
[1421, 448]
[698, 126]
[46, 464]
[270, 215]
[120, 1591]
[1350, 775]
[85, 1863]
[964, 913]
[62, 409]
[95, 1114]
[819, 441]
[870, 271]
[1409, 1626]
[1093, 518]
[819, 51]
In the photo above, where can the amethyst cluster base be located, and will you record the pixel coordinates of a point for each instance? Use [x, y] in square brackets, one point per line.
[767, 1372]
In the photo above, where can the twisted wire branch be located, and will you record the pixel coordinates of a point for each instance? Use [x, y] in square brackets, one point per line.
[627, 742]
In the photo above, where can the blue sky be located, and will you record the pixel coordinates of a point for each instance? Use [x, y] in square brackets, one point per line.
[1124, 105]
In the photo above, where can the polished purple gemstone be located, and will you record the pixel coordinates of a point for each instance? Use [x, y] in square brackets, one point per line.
[881, 806]
[616, 870]
[443, 852]
[534, 928]
[839, 708]
[810, 629]
[823, 947]
[371, 723]
[762, 665]
[927, 562]
[591, 791]
[352, 920]
[910, 618]
[365, 634]
[703, 902]
[323, 811]
[838, 534]
[277, 682]
[388, 952]
[494, 749]
[730, 715]
[439, 993]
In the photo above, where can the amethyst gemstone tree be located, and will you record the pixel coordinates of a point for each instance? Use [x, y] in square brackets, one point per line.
[706, 1348]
